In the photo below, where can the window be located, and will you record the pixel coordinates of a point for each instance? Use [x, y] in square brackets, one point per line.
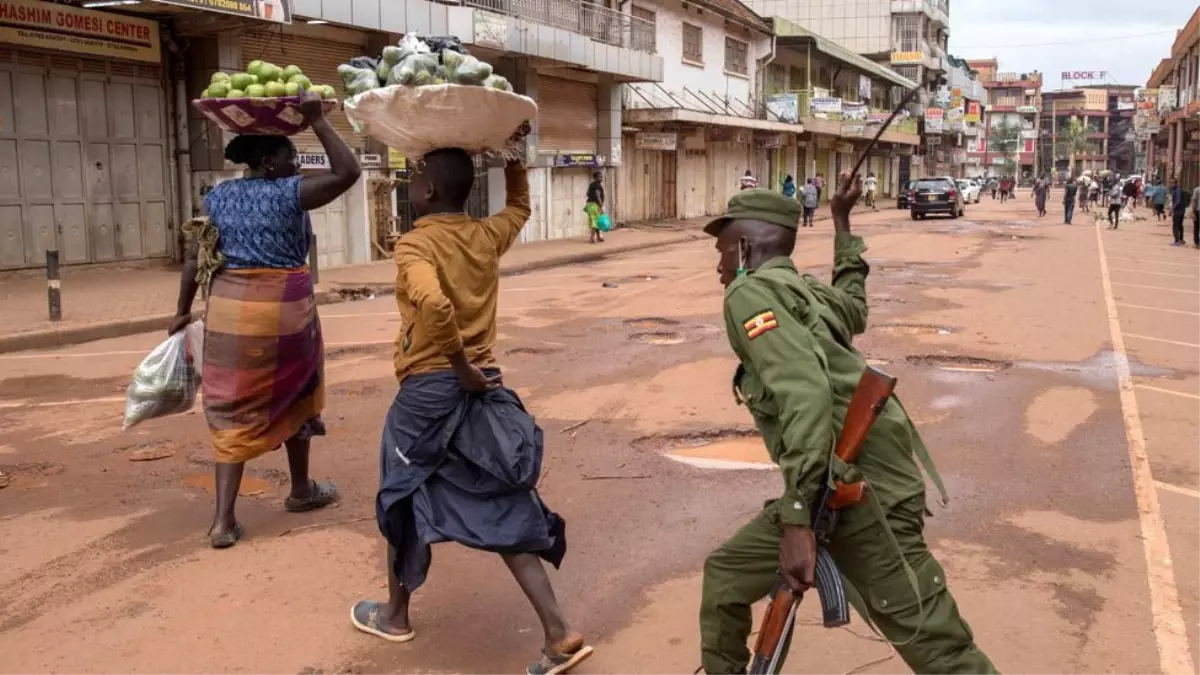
[693, 43]
[644, 28]
[735, 56]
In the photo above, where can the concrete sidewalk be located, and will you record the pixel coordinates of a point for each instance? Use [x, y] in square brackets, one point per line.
[112, 301]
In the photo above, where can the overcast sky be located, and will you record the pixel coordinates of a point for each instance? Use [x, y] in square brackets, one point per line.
[1111, 35]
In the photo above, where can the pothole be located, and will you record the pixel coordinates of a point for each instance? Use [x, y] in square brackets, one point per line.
[971, 364]
[999, 234]
[633, 279]
[650, 322]
[658, 338]
[357, 350]
[914, 329]
[529, 350]
[721, 449]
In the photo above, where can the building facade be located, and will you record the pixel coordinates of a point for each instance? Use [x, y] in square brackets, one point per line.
[1104, 139]
[1168, 122]
[1011, 124]
[108, 157]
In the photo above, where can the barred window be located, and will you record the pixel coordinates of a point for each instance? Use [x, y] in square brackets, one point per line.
[693, 43]
[735, 56]
[643, 37]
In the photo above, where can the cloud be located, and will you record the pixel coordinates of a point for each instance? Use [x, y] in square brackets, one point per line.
[1126, 40]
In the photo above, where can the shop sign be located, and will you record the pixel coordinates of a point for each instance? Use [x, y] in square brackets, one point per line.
[1166, 97]
[942, 96]
[933, 120]
[1027, 134]
[770, 141]
[1084, 75]
[29, 23]
[958, 156]
[370, 161]
[577, 159]
[933, 141]
[784, 107]
[903, 58]
[732, 135]
[491, 30]
[864, 88]
[854, 112]
[396, 160]
[277, 11]
[657, 140]
[825, 105]
[845, 148]
[973, 114]
[1125, 105]
[1027, 109]
[854, 129]
[997, 161]
[312, 161]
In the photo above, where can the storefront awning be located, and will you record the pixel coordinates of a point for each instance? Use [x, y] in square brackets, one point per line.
[789, 34]
[662, 115]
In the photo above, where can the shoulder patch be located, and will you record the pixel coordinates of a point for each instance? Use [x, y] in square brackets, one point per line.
[761, 322]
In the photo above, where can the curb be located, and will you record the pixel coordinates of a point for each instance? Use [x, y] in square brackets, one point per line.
[65, 337]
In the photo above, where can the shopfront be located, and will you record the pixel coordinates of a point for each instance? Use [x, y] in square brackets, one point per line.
[84, 137]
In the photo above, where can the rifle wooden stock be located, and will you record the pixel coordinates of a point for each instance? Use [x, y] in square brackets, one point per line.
[872, 393]
[774, 628]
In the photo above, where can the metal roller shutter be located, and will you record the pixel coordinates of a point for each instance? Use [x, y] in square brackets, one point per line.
[319, 59]
[566, 115]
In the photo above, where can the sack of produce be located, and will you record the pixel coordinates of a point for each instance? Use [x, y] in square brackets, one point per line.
[262, 100]
[428, 93]
[166, 381]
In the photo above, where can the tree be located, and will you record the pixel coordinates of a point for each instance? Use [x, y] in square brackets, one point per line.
[1003, 139]
[1074, 140]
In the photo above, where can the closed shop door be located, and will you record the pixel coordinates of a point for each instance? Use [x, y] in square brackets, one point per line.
[568, 192]
[319, 59]
[566, 116]
[83, 160]
[329, 228]
[693, 181]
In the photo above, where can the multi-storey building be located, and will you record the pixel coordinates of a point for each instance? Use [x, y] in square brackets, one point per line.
[1011, 121]
[112, 158]
[1105, 115]
[1172, 94]
[910, 36]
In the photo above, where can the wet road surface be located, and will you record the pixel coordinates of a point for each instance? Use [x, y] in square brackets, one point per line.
[1054, 372]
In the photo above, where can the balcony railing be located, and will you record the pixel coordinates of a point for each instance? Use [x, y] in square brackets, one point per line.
[599, 23]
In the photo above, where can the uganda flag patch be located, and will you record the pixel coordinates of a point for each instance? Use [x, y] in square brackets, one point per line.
[760, 323]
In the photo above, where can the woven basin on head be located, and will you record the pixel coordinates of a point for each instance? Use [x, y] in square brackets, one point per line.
[416, 120]
[279, 116]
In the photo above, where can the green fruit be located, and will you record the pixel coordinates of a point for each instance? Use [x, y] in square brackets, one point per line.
[255, 67]
[219, 77]
[236, 93]
[241, 81]
[328, 92]
[217, 90]
[276, 89]
[256, 79]
[290, 72]
[291, 89]
[256, 91]
[301, 80]
[272, 73]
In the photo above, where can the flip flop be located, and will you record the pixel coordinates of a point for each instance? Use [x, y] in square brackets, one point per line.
[553, 663]
[365, 617]
[322, 494]
[227, 538]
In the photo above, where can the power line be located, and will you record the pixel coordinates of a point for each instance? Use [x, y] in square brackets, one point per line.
[1068, 42]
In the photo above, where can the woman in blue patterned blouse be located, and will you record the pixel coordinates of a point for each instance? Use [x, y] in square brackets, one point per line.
[263, 363]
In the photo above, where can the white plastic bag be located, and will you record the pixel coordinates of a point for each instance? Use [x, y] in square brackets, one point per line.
[416, 120]
[166, 381]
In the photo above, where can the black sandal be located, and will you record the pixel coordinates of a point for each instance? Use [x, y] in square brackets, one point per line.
[553, 663]
[320, 495]
[228, 538]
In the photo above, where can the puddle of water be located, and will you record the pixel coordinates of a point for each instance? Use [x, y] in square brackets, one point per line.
[648, 322]
[207, 481]
[959, 364]
[658, 338]
[727, 454]
[913, 329]
[635, 278]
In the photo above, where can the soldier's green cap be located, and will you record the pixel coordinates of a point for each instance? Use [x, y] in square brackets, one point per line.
[759, 204]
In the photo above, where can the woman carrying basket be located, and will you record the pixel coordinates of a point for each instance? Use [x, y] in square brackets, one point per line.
[263, 358]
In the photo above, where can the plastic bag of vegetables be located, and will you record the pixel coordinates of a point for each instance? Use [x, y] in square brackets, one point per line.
[358, 80]
[416, 120]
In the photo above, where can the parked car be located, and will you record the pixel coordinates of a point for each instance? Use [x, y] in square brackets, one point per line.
[939, 194]
[902, 198]
[970, 190]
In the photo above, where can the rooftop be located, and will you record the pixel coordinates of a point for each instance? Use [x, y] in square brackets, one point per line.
[734, 9]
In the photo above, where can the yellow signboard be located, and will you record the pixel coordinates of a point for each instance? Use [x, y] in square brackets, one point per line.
[396, 160]
[901, 58]
[30, 23]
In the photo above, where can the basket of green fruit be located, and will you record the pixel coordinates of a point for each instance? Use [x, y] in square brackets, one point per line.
[262, 100]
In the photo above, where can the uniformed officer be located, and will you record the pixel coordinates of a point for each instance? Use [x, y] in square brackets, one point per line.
[799, 368]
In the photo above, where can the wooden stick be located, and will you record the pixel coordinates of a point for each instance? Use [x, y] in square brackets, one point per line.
[313, 526]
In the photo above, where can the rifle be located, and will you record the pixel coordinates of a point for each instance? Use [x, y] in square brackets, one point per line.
[870, 396]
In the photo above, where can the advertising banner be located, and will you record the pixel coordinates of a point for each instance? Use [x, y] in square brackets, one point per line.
[934, 120]
[785, 107]
[29, 23]
[824, 106]
[973, 114]
[854, 112]
[277, 11]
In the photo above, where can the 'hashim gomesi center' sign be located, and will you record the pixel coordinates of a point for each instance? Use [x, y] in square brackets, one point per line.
[29, 23]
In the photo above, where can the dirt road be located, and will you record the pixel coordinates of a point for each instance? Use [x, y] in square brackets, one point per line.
[1054, 371]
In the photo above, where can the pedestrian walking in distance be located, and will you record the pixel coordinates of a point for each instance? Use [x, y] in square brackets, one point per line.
[1180, 201]
[1041, 191]
[748, 181]
[819, 183]
[1157, 194]
[1114, 198]
[798, 369]
[1069, 194]
[788, 187]
[810, 198]
[594, 206]
[870, 185]
[453, 416]
[264, 381]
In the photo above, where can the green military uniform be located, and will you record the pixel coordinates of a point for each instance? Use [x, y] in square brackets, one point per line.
[793, 336]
